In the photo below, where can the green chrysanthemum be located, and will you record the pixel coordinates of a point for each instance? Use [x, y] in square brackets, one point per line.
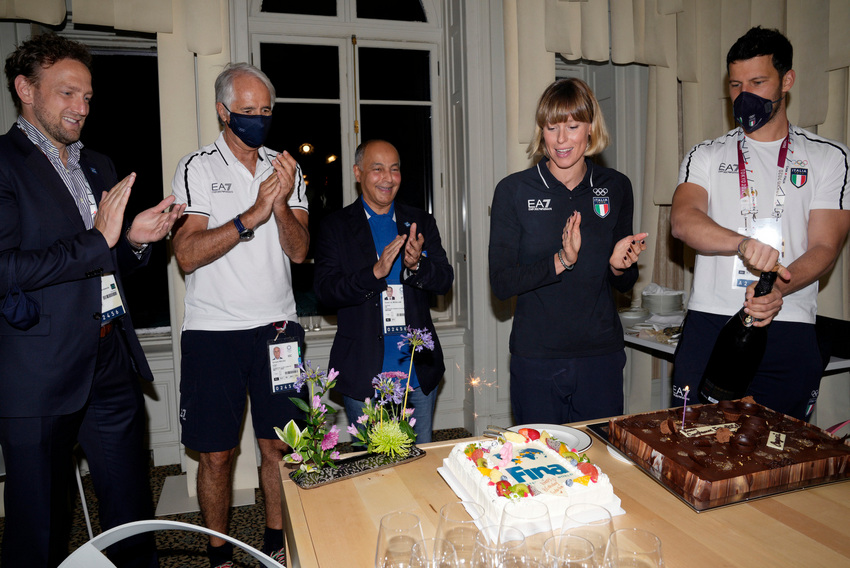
[387, 438]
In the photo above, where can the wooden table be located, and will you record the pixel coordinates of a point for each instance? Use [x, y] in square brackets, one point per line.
[337, 525]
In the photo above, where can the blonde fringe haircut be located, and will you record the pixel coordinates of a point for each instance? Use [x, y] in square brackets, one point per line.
[561, 100]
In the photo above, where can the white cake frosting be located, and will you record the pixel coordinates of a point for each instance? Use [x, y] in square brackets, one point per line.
[551, 477]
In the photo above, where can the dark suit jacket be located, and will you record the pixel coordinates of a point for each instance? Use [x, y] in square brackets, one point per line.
[48, 369]
[345, 255]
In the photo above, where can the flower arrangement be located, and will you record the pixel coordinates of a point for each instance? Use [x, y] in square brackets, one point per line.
[312, 447]
[386, 425]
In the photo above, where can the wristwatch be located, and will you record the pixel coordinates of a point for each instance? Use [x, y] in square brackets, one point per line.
[244, 234]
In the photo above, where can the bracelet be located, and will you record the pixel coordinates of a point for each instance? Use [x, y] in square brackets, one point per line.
[564, 264]
[136, 249]
[740, 252]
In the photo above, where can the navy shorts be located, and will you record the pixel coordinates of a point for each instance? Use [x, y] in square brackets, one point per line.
[218, 369]
[787, 380]
[558, 391]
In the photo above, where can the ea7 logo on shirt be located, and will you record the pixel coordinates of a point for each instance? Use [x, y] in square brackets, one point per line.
[725, 168]
[539, 204]
[221, 187]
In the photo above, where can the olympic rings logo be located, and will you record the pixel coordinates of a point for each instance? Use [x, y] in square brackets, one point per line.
[798, 162]
[600, 191]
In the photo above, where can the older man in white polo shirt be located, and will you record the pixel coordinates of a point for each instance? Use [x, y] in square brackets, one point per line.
[246, 218]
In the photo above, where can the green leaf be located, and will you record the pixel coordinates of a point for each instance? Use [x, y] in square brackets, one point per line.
[405, 427]
[300, 403]
[291, 434]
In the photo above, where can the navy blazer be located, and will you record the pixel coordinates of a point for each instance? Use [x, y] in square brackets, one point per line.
[345, 255]
[48, 369]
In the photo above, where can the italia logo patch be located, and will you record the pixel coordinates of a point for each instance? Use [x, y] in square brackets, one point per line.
[799, 176]
[601, 206]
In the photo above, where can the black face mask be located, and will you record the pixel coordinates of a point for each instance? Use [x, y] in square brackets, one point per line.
[752, 111]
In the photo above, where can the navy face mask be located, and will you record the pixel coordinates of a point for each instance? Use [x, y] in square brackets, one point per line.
[752, 111]
[252, 129]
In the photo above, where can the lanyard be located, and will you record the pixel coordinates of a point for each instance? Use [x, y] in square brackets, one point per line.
[748, 195]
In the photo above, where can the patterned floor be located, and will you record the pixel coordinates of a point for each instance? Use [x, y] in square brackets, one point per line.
[178, 549]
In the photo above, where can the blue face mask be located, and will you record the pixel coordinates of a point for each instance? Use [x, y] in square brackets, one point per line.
[252, 129]
[752, 111]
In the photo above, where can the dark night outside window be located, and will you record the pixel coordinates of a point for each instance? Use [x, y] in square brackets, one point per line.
[311, 8]
[307, 123]
[123, 123]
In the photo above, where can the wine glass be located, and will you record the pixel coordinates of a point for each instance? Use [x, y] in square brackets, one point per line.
[633, 547]
[495, 543]
[398, 533]
[433, 553]
[589, 521]
[457, 525]
[523, 562]
[568, 551]
[532, 518]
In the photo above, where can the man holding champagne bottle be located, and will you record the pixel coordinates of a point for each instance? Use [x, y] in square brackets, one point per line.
[767, 193]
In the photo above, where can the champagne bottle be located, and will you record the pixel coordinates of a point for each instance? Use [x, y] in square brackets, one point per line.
[737, 353]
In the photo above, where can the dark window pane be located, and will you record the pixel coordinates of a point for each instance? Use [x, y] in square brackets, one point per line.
[311, 8]
[394, 74]
[408, 128]
[317, 75]
[295, 125]
[146, 289]
[399, 10]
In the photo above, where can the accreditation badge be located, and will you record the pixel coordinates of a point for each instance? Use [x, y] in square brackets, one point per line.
[393, 307]
[284, 353]
[111, 305]
[767, 231]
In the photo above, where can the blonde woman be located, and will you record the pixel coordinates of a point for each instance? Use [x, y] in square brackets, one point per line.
[560, 239]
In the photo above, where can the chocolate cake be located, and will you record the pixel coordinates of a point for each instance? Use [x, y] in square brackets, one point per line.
[729, 452]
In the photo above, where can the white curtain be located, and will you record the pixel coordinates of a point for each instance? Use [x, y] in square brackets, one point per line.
[202, 31]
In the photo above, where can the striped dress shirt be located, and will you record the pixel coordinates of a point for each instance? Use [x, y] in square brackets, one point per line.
[72, 175]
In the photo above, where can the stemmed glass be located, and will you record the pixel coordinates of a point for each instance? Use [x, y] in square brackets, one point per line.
[457, 526]
[568, 551]
[398, 533]
[495, 544]
[521, 563]
[532, 518]
[589, 521]
[433, 553]
[633, 547]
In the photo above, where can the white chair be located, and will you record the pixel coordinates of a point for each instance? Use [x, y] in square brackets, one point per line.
[89, 555]
[79, 486]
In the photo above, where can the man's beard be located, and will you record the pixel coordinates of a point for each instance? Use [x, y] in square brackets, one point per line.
[54, 127]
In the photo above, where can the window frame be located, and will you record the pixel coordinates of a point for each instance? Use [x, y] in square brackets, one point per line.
[265, 27]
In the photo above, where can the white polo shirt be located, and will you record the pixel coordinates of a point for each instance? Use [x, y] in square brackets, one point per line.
[251, 285]
[817, 179]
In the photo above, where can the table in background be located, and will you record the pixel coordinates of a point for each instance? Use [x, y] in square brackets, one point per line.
[337, 525]
[665, 352]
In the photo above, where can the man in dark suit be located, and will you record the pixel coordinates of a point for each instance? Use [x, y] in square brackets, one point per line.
[410, 257]
[70, 373]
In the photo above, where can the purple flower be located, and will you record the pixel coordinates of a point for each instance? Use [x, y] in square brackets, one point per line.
[385, 386]
[417, 339]
[296, 457]
[335, 455]
[331, 438]
[412, 422]
[352, 429]
[363, 419]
